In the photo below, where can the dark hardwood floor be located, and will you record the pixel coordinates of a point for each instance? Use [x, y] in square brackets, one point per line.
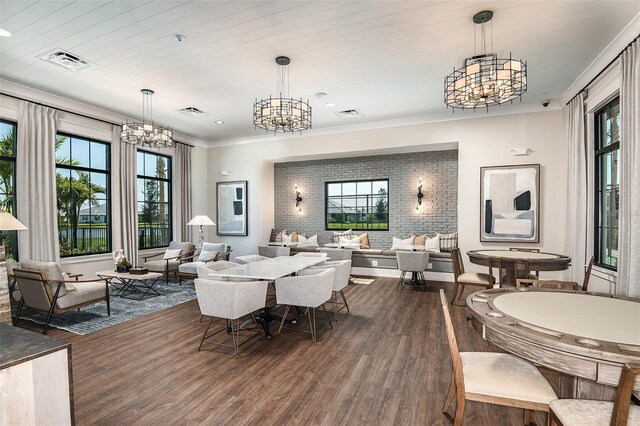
[385, 363]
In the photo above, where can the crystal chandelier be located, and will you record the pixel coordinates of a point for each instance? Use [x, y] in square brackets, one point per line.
[485, 80]
[282, 113]
[145, 133]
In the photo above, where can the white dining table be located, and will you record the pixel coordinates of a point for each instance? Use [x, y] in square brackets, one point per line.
[270, 269]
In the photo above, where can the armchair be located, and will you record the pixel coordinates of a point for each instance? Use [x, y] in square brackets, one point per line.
[43, 288]
[208, 253]
[171, 264]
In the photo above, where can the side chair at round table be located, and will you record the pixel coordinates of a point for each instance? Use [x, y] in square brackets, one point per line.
[463, 279]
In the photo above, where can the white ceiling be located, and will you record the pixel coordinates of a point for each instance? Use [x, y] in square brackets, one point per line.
[386, 58]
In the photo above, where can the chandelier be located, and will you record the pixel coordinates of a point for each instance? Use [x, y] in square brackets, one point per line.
[282, 113]
[145, 133]
[485, 80]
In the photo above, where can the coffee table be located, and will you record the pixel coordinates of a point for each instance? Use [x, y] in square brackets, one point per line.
[132, 286]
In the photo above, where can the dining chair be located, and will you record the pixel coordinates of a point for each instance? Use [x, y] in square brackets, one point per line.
[307, 291]
[493, 378]
[555, 284]
[273, 251]
[414, 262]
[340, 281]
[581, 412]
[230, 300]
[463, 278]
[337, 254]
[249, 258]
[587, 274]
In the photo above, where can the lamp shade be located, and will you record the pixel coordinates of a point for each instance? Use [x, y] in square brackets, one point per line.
[201, 220]
[10, 223]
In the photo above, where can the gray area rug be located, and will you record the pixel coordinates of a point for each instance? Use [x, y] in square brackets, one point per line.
[93, 318]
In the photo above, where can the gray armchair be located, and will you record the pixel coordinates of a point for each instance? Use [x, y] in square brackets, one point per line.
[208, 253]
[341, 280]
[167, 266]
[43, 288]
[415, 262]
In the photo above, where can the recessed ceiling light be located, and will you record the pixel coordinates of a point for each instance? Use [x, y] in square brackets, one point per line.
[321, 95]
[179, 38]
[330, 104]
[219, 122]
[4, 33]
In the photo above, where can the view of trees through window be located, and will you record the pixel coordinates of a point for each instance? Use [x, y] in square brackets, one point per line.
[357, 204]
[607, 184]
[154, 200]
[7, 183]
[82, 185]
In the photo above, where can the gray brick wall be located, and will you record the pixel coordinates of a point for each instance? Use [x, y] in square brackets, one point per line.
[438, 170]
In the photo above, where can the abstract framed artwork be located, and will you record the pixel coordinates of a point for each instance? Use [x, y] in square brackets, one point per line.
[232, 204]
[510, 203]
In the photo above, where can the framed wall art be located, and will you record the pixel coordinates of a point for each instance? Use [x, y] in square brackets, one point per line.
[232, 205]
[510, 203]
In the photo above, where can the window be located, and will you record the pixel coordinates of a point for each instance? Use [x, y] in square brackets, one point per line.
[7, 182]
[83, 190]
[357, 205]
[607, 184]
[154, 200]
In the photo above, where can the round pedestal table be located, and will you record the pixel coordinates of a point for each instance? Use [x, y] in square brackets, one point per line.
[537, 261]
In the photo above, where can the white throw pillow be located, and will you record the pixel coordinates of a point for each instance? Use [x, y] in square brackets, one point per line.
[68, 286]
[398, 242]
[171, 254]
[347, 240]
[206, 256]
[286, 239]
[433, 244]
[302, 239]
[309, 242]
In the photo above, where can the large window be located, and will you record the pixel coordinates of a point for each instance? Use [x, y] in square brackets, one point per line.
[7, 182]
[607, 184]
[154, 200]
[82, 185]
[357, 205]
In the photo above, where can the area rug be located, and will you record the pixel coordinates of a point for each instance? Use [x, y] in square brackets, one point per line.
[93, 318]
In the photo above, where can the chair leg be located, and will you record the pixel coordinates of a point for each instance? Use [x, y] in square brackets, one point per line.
[450, 394]
[423, 282]
[108, 298]
[401, 280]
[205, 333]
[344, 299]
[459, 292]
[235, 334]
[459, 416]
[201, 318]
[46, 324]
[20, 306]
[527, 417]
[327, 315]
[334, 296]
[284, 317]
[312, 323]
[455, 293]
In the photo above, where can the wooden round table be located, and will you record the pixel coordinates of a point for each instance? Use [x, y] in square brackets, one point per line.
[537, 261]
[586, 336]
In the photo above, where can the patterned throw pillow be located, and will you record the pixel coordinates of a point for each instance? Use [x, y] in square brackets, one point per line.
[448, 241]
[276, 235]
[419, 239]
[363, 239]
[295, 235]
[336, 235]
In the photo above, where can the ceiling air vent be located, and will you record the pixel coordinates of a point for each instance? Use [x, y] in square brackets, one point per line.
[349, 114]
[65, 59]
[193, 111]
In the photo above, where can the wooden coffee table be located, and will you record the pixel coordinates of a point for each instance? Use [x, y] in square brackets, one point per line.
[132, 286]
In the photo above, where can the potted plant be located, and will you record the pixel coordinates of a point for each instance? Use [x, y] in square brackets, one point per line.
[123, 265]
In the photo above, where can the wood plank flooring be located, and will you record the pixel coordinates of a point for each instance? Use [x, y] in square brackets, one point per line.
[385, 363]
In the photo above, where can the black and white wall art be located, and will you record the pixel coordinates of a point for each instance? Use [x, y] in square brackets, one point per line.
[232, 208]
[510, 203]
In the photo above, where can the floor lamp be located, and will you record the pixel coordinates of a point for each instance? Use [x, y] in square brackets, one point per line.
[201, 220]
[7, 223]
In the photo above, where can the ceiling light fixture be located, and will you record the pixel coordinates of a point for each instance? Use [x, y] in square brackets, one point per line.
[219, 122]
[330, 104]
[485, 80]
[145, 133]
[282, 113]
[4, 33]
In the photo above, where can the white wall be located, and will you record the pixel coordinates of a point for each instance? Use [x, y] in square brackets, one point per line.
[482, 141]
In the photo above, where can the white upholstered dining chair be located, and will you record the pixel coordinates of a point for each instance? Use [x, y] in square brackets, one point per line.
[273, 251]
[340, 281]
[414, 262]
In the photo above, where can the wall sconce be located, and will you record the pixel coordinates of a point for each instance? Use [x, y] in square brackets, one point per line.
[298, 198]
[420, 195]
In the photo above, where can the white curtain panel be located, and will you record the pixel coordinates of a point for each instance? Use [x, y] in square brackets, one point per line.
[182, 191]
[36, 199]
[124, 199]
[628, 283]
[577, 184]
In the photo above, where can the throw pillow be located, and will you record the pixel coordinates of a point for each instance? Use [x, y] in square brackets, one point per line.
[286, 239]
[294, 237]
[419, 239]
[433, 244]
[337, 235]
[276, 235]
[363, 239]
[448, 241]
[207, 256]
[308, 242]
[68, 286]
[171, 254]
[398, 242]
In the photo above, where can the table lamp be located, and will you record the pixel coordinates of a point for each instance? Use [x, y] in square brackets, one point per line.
[201, 220]
[9, 223]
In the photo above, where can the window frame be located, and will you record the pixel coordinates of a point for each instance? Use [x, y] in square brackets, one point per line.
[14, 248]
[170, 197]
[326, 204]
[597, 178]
[108, 195]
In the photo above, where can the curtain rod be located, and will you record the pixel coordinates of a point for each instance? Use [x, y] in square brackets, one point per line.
[74, 113]
[586, 87]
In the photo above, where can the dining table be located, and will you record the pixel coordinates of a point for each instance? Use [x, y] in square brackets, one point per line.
[269, 270]
[509, 259]
[585, 337]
